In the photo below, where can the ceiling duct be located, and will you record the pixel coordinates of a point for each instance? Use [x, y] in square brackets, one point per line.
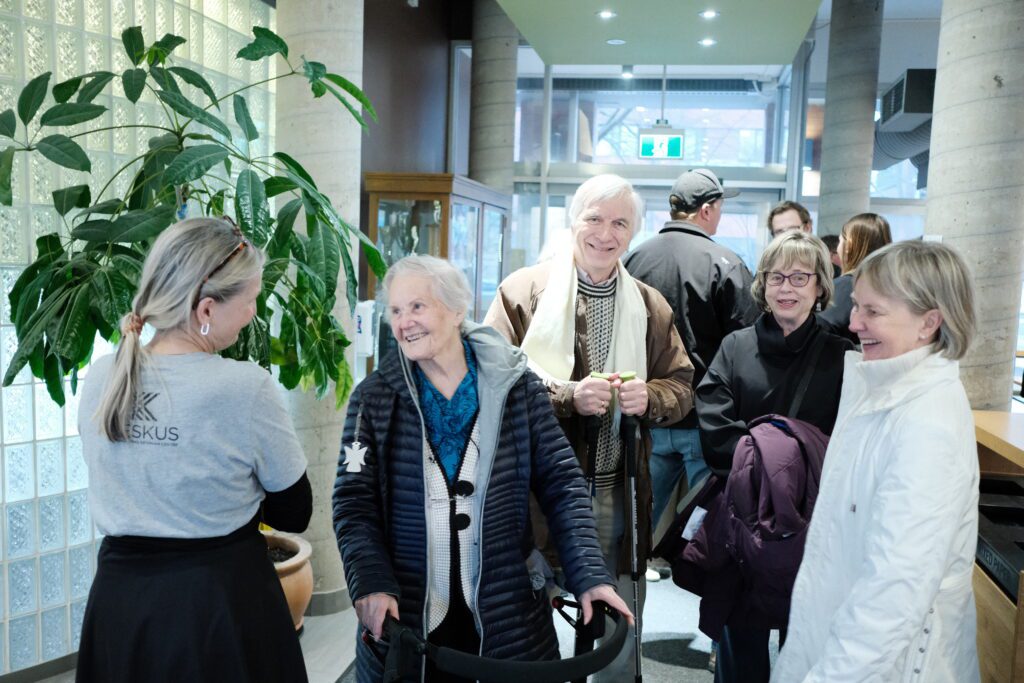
[908, 103]
[892, 148]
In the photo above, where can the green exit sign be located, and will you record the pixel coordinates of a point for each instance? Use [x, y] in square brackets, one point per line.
[661, 143]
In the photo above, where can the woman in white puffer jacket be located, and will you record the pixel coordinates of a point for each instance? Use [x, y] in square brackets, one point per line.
[884, 590]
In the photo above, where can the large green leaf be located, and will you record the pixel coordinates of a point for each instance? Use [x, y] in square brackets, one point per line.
[6, 165]
[53, 373]
[70, 113]
[353, 90]
[131, 226]
[133, 81]
[278, 185]
[351, 276]
[24, 296]
[107, 206]
[194, 79]
[266, 43]
[32, 97]
[8, 124]
[296, 167]
[63, 151]
[31, 334]
[244, 120]
[348, 105]
[112, 293]
[283, 231]
[63, 91]
[95, 86]
[193, 163]
[134, 44]
[72, 323]
[323, 256]
[159, 51]
[184, 107]
[74, 197]
[164, 79]
[251, 208]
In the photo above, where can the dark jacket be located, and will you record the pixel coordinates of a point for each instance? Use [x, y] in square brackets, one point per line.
[379, 512]
[756, 373]
[836, 318]
[669, 380]
[706, 284]
[744, 558]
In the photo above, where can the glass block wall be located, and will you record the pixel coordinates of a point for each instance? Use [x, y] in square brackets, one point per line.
[47, 540]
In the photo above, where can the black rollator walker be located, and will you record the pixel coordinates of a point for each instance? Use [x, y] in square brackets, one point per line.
[406, 648]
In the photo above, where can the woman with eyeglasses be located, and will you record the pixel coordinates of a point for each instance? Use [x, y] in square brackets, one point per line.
[187, 452]
[756, 372]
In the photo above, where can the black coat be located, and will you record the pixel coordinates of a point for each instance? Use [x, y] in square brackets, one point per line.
[755, 373]
[380, 519]
[836, 318]
[706, 284]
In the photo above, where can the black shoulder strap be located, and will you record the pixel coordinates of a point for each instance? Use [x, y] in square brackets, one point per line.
[805, 378]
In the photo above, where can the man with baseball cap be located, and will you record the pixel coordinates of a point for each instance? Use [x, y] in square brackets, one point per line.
[708, 288]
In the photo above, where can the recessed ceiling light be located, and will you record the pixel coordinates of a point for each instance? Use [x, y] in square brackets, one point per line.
[709, 14]
[641, 108]
[607, 14]
[708, 42]
[627, 71]
[615, 41]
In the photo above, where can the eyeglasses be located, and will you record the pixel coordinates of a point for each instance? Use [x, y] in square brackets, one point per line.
[796, 279]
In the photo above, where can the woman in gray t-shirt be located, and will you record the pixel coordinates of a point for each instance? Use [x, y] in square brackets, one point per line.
[187, 453]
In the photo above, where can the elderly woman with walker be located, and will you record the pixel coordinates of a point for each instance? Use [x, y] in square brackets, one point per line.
[442, 446]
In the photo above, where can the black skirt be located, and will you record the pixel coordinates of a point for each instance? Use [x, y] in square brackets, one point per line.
[201, 610]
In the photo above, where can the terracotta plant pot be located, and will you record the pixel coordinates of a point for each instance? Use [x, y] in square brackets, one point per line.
[296, 574]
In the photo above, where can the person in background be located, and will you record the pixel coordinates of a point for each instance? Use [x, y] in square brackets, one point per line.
[187, 452]
[861, 235]
[884, 590]
[832, 242]
[755, 373]
[457, 430]
[579, 313]
[708, 287]
[789, 215]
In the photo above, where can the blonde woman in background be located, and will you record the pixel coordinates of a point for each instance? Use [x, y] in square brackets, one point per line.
[187, 453]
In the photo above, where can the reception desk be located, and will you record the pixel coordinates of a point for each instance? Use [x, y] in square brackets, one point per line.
[1000, 439]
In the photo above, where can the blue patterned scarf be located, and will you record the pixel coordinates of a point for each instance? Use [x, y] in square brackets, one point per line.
[449, 423]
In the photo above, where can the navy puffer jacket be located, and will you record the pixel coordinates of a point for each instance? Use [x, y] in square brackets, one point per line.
[380, 513]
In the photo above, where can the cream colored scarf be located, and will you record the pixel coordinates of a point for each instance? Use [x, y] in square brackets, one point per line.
[551, 339]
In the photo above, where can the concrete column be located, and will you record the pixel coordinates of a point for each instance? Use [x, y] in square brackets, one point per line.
[492, 96]
[851, 87]
[325, 139]
[976, 176]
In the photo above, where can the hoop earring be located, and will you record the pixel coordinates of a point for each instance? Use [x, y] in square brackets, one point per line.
[204, 329]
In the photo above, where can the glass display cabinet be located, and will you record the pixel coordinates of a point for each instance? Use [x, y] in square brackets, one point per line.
[443, 215]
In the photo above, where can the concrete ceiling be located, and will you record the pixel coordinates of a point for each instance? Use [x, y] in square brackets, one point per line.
[663, 31]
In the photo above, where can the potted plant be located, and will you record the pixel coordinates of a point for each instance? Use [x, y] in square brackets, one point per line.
[290, 554]
[84, 278]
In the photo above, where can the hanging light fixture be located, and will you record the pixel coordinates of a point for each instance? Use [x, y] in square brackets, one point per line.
[627, 71]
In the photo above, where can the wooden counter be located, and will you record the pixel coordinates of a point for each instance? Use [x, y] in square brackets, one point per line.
[1000, 439]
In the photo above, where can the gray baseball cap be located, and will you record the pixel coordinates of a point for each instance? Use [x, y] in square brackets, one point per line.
[697, 187]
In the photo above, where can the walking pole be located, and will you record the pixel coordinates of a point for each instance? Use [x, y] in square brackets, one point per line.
[628, 435]
[584, 636]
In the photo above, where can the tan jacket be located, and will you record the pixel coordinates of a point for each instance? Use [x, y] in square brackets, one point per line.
[669, 378]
